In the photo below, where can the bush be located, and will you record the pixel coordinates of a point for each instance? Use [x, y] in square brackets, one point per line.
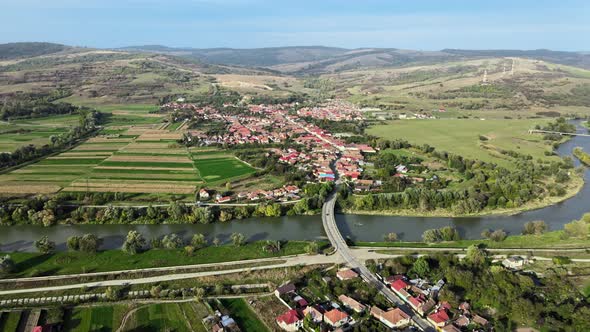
[561, 260]
[44, 245]
[537, 227]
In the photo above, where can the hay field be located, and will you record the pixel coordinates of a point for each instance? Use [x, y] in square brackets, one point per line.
[37, 131]
[461, 136]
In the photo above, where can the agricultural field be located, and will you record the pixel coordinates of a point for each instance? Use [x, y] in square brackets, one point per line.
[166, 317]
[216, 166]
[462, 136]
[37, 131]
[9, 321]
[246, 319]
[95, 318]
[136, 152]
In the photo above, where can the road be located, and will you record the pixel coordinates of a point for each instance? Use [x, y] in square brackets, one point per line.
[339, 244]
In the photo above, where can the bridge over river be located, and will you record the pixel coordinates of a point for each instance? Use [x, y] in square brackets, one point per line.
[341, 248]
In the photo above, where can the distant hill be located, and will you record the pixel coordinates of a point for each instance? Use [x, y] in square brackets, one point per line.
[321, 59]
[27, 50]
[300, 59]
[578, 59]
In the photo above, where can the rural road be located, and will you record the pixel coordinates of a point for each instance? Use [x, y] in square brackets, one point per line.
[357, 255]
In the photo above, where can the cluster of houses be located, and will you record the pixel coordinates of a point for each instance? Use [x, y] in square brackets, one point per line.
[334, 110]
[338, 315]
[422, 297]
[283, 194]
[333, 314]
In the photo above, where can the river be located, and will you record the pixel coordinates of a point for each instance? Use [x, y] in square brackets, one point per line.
[357, 227]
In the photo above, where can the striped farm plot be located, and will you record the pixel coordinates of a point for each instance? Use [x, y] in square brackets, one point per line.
[159, 135]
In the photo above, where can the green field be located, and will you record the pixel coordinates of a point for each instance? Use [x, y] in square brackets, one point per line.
[163, 317]
[222, 169]
[96, 318]
[9, 321]
[243, 315]
[33, 131]
[30, 264]
[462, 136]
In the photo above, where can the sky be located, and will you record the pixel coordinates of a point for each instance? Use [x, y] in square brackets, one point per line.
[419, 24]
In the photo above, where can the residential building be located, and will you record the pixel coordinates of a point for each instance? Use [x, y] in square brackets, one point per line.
[346, 274]
[351, 303]
[292, 320]
[393, 318]
[336, 317]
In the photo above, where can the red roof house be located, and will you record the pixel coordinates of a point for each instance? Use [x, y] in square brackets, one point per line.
[291, 320]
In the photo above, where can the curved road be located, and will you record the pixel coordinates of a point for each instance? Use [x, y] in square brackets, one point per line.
[342, 248]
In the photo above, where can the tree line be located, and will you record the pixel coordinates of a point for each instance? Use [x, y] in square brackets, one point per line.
[491, 186]
[48, 211]
[89, 120]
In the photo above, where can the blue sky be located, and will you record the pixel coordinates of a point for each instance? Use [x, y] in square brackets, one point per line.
[422, 25]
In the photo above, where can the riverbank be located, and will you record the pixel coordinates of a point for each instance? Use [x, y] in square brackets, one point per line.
[59, 263]
[549, 240]
[573, 188]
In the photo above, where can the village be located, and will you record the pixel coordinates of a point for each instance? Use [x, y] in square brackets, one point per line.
[341, 312]
[314, 150]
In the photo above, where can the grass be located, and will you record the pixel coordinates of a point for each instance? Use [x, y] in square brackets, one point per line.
[9, 321]
[96, 318]
[550, 240]
[36, 264]
[158, 317]
[461, 136]
[182, 316]
[243, 315]
[218, 169]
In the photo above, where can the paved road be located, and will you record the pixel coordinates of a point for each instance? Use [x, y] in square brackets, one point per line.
[342, 248]
[292, 261]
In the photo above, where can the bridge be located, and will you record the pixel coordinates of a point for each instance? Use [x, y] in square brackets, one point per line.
[340, 246]
[539, 131]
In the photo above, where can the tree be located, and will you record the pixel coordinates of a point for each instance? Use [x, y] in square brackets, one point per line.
[391, 237]
[73, 243]
[189, 250]
[312, 248]
[198, 241]
[237, 239]
[6, 265]
[112, 294]
[576, 228]
[421, 267]
[89, 243]
[537, 227]
[155, 291]
[431, 236]
[199, 293]
[172, 241]
[134, 243]
[216, 241]
[498, 235]
[228, 186]
[44, 245]
[475, 255]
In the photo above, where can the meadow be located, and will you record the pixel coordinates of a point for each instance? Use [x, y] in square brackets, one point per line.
[243, 315]
[36, 131]
[95, 318]
[29, 264]
[166, 317]
[462, 136]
